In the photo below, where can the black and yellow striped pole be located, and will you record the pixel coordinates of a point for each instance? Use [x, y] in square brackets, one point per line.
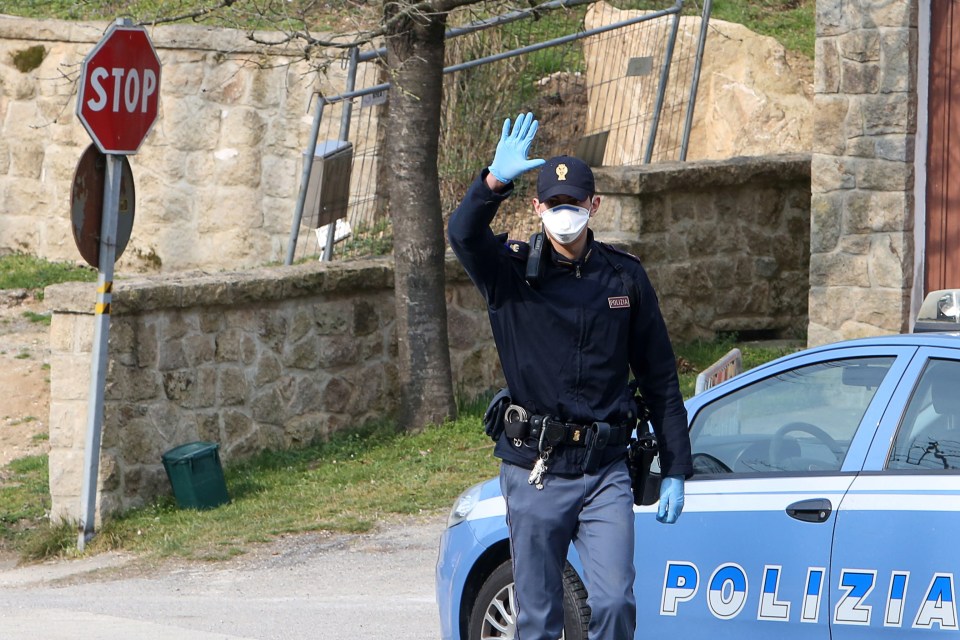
[118, 101]
[101, 335]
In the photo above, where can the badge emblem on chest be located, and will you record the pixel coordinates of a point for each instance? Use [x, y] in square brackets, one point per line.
[619, 302]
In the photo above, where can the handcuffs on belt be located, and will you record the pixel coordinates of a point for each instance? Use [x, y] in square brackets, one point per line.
[551, 432]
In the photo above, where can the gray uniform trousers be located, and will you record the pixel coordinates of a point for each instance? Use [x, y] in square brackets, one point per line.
[595, 512]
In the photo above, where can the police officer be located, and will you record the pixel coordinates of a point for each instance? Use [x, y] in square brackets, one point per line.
[571, 318]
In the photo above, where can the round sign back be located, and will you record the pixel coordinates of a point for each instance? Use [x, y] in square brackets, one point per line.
[86, 204]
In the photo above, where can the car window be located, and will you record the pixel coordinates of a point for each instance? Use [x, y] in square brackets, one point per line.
[929, 434]
[801, 420]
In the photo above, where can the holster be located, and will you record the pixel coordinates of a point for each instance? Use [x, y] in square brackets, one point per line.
[597, 438]
[640, 455]
[493, 422]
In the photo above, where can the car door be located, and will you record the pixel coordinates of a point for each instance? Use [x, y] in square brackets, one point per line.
[774, 451]
[896, 554]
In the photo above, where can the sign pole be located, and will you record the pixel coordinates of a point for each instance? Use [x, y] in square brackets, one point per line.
[101, 335]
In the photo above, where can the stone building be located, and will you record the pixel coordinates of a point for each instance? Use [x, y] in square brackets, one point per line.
[885, 220]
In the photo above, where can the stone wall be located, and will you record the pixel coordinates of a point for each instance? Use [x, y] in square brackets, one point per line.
[216, 180]
[862, 205]
[268, 358]
[726, 243]
[282, 356]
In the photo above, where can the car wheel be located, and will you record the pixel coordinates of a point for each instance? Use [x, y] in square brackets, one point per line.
[494, 615]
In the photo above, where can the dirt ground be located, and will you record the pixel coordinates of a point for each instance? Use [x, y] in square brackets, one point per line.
[24, 377]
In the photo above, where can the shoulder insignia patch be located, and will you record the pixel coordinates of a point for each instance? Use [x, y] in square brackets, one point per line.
[517, 249]
[618, 251]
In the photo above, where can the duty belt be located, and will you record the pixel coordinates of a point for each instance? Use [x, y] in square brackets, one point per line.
[550, 431]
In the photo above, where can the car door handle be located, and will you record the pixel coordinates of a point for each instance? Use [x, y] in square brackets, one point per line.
[815, 510]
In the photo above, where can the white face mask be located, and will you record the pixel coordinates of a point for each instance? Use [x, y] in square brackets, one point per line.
[565, 222]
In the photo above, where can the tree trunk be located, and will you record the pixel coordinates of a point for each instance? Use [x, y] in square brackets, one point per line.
[415, 51]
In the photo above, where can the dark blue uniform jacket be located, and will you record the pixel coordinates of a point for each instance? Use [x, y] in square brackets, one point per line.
[567, 346]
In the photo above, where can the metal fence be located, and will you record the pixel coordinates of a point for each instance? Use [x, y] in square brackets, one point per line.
[614, 89]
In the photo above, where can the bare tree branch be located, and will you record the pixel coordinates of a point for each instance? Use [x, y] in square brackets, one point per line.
[193, 15]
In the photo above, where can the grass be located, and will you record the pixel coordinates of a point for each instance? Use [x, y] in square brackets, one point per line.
[24, 500]
[21, 271]
[789, 21]
[38, 318]
[347, 485]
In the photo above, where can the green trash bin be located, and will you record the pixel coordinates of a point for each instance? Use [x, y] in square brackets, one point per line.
[196, 475]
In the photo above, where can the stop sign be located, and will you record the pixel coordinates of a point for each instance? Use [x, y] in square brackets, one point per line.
[120, 90]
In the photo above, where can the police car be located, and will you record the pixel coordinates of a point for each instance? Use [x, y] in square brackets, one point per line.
[825, 504]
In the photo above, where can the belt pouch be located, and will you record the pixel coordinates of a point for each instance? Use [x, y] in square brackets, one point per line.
[493, 417]
[597, 438]
[640, 455]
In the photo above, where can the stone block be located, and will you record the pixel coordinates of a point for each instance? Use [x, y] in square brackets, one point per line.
[337, 351]
[280, 178]
[68, 424]
[26, 159]
[867, 211]
[236, 426]
[883, 175]
[826, 211]
[268, 405]
[147, 345]
[172, 355]
[69, 377]
[333, 318]
[232, 387]
[889, 13]
[199, 349]
[337, 394]
[884, 114]
[228, 345]
[862, 45]
[238, 168]
[242, 128]
[62, 331]
[226, 82]
[208, 427]
[899, 60]
[891, 264]
[4, 152]
[267, 89]
[830, 126]
[859, 77]
[211, 320]
[134, 384]
[66, 473]
[179, 386]
[300, 324]
[304, 354]
[831, 173]
[901, 148]
[268, 369]
[205, 394]
[839, 270]
[182, 79]
[182, 130]
[305, 430]
[59, 163]
[826, 77]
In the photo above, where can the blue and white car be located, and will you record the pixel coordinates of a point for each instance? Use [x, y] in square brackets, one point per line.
[825, 504]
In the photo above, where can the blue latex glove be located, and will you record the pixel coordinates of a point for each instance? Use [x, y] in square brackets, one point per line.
[511, 158]
[671, 499]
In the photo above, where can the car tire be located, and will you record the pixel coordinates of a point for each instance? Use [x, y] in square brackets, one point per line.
[494, 614]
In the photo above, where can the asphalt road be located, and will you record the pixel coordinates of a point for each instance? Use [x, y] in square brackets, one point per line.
[377, 585]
